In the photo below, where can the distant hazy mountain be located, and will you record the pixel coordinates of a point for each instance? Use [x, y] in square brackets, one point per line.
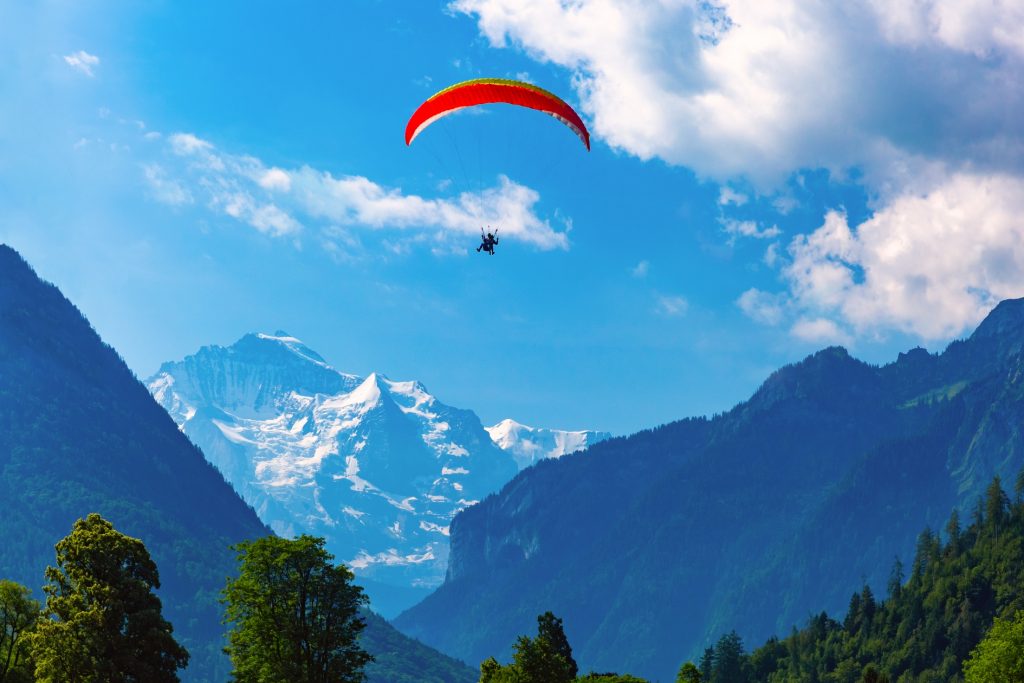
[527, 445]
[653, 546]
[376, 467]
[79, 434]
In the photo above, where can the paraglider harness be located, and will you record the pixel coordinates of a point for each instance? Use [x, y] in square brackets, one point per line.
[488, 241]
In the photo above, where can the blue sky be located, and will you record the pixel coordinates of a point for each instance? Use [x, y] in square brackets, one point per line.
[766, 179]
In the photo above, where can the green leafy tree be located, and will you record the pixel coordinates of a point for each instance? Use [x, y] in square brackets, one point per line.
[688, 673]
[489, 670]
[105, 623]
[294, 615]
[999, 657]
[538, 661]
[544, 659]
[18, 614]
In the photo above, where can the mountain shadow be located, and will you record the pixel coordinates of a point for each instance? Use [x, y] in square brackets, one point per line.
[652, 546]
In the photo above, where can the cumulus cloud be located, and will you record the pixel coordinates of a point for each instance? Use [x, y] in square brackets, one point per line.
[640, 270]
[761, 89]
[820, 331]
[930, 264]
[980, 27]
[276, 179]
[919, 100]
[272, 200]
[83, 62]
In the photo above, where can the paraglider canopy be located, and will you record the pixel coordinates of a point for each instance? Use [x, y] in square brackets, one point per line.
[489, 91]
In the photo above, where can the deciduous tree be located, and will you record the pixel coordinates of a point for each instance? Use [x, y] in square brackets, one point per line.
[18, 613]
[104, 621]
[294, 615]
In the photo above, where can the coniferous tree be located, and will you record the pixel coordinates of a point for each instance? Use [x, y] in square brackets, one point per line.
[931, 624]
[996, 504]
[868, 606]
[105, 622]
[872, 675]
[729, 664]
[550, 628]
[953, 532]
[896, 578]
[853, 616]
[707, 663]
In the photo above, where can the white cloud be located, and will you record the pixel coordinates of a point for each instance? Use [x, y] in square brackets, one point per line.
[760, 89]
[83, 62]
[671, 305]
[820, 331]
[266, 218]
[929, 264]
[763, 307]
[979, 27]
[918, 100]
[748, 229]
[162, 188]
[240, 187]
[641, 269]
[727, 196]
[276, 179]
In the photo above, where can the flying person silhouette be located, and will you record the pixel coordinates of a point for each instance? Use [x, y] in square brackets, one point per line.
[488, 241]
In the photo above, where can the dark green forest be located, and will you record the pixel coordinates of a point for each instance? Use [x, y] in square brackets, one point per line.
[959, 582]
[937, 616]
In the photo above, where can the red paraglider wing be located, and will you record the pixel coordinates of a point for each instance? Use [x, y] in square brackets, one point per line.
[489, 91]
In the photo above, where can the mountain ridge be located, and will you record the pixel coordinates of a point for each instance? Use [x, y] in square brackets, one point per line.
[79, 433]
[715, 513]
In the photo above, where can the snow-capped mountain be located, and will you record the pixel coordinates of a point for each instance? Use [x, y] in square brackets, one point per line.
[527, 445]
[377, 467]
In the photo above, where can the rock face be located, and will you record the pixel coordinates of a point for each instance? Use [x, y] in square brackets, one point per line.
[653, 546]
[377, 467]
[528, 445]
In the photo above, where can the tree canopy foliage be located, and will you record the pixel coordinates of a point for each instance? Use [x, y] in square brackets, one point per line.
[999, 657]
[925, 629]
[294, 615]
[18, 614]
[104, 623]
[546, 658]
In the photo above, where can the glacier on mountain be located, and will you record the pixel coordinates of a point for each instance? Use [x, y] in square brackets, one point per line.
[378, 468]
[527, 445]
